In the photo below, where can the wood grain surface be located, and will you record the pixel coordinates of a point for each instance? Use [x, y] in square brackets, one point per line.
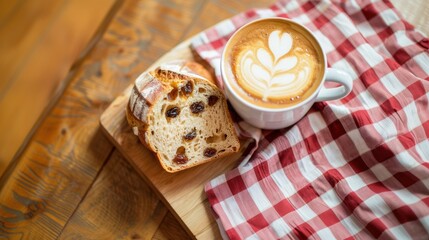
[40, 41]
[117, 202]
[69, 181]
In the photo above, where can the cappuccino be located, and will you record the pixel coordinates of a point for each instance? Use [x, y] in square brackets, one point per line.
[275, 64]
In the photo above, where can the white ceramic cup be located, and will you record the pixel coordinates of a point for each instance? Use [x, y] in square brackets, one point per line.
[277, 118]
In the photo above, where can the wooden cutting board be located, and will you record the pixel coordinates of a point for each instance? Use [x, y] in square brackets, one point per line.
[182, 192]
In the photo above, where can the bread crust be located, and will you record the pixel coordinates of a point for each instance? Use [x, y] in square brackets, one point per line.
[153, 86]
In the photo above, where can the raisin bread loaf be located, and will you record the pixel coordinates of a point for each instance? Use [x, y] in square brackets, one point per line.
[181, 116]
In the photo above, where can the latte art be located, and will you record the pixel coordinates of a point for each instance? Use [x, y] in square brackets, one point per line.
[271, 72]
[276, 65]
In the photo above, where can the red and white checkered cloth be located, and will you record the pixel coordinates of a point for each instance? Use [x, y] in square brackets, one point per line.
[351, 168]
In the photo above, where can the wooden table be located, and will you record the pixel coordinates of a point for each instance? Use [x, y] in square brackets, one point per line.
[67, 180]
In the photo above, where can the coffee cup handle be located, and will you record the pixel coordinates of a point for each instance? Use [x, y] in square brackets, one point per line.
[338, 76]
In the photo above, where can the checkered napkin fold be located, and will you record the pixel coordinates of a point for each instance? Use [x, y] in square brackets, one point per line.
[351, 168]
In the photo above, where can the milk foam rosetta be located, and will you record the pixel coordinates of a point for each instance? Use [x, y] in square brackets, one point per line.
[276, 65]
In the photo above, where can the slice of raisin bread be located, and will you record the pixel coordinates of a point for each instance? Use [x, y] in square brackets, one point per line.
[181, 116]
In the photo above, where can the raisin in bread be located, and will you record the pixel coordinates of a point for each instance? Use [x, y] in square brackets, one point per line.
[181, 116]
